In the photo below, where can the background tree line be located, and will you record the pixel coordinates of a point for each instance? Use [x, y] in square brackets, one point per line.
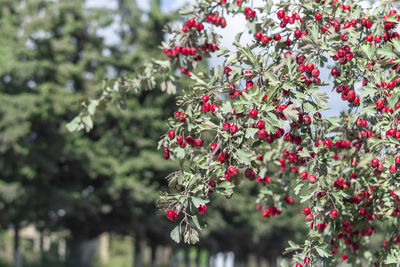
[106, 180]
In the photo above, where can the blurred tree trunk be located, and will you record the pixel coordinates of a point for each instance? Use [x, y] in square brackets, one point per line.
[138, 251]
[187, 257]
[82, 253]
[153, 255]
[17, 252]
[198, 257]
[41, 248]
[173, 261]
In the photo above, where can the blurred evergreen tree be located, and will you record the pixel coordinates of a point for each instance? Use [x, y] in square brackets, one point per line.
[85, 183]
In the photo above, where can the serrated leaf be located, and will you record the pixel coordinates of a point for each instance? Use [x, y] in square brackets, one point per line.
[291, 114]
[244, 156]
[323, 252]
[196, 221]
[74, 125]
[386, 51]
[176, 234]
[250, 132]
[199, 201]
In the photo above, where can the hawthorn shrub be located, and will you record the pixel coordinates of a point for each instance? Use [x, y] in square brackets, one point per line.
[260, 111]
[256, 118]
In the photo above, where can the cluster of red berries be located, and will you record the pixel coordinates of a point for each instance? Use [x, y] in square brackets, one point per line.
[393, 133]
[185, 71]
[312, 178]
[343, 55]
[361, 122]
[311, 73]
[210, 47]
[222, 156]
[308, 214]
[250, 13]
[286, 19]
[380, 105]
[379, 166]
[341, 184]
[288, 200]
[299, 34]
[345, 7]
[216, 20]
[283, 165]
[211, 185]
[390, 25]
[192, 23]
[333, 23]
[260, 37]
[270, 212]
[335, 72]
[166, 153]
[185, 51]
[180, 116]
[207, 106]
[348, 94]
[230, 128]
[172, 215]
[230, 171]
[270, 137]
[294, 139]
[395, 241]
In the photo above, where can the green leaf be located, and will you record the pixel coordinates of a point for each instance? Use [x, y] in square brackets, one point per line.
[227, 107]
[291, 114]
[198, 80]
[244, 156]
[368, 50]
[176, 234]
[199, 201]
[225, 188]
[74, 125]
[387, 51]
[396, 44]
[250, 132]
[324, 253]
[196, 221]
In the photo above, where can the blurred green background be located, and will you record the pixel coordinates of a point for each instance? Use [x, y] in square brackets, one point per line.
[88, 199]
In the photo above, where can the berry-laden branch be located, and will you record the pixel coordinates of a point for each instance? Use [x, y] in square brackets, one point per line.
[257, 119]
[259, 115]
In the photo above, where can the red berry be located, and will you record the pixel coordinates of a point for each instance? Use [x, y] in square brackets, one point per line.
[309, 217]
[260, 124]
[333, 214]
[318, 16]
[171, 134]
[312, 178]
[309, 67]
[253, 113]
[374, 162]
[306, 210]
[315, 73]
[393, 168]
[281, 13]
[303, 175]
[202, 209]
[234, 128]
[232, 170]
